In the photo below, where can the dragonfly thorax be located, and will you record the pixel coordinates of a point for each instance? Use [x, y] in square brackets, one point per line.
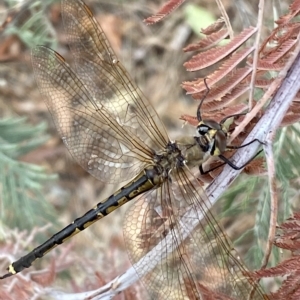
[193, 149]
[171, 157]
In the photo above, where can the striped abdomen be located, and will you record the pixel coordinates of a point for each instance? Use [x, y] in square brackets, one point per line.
[140, 184]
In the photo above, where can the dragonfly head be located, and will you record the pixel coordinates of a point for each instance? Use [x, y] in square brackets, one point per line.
[215, 134]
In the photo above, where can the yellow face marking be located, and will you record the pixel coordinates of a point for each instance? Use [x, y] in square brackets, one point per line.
[11, 270]
[212, 133]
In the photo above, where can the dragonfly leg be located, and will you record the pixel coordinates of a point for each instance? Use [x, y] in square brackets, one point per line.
[227, 161]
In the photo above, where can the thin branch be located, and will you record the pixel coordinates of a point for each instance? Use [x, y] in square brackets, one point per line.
[273, 197]
[256, 52]
[226, 18]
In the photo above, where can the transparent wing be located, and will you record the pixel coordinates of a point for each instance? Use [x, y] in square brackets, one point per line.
[179, 250]
[106, 79]
[95, 138]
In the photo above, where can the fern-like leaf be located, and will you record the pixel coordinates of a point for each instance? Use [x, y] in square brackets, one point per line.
[170, 6]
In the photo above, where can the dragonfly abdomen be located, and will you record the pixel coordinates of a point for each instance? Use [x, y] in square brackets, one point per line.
[140, 184]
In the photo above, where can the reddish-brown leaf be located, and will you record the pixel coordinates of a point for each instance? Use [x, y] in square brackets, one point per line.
[164, 11]
[214, 55]
[226, 100]
[197, 86]
[214, 27]
[293, 11]
[208, 42]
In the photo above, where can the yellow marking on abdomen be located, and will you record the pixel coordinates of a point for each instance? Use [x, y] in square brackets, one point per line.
[72, 234]
[45, 252]
[121, 202]
[11, 269]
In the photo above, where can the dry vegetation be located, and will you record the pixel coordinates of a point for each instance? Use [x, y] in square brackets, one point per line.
[153, 55]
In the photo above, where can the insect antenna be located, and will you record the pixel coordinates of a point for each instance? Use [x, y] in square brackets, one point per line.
[199, 117]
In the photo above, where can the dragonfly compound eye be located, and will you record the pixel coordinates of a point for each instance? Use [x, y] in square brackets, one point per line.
[203, 129]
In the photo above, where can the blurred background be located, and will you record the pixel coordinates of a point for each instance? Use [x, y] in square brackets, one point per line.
[42, 189]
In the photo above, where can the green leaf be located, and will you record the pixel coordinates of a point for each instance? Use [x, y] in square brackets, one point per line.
[198, 17]
[251, 195]
[22, 184]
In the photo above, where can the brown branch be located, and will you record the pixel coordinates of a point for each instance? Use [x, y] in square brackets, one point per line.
[256, 52]
[225, 17]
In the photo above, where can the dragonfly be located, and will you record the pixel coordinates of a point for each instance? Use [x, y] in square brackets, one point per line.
[115, 134]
